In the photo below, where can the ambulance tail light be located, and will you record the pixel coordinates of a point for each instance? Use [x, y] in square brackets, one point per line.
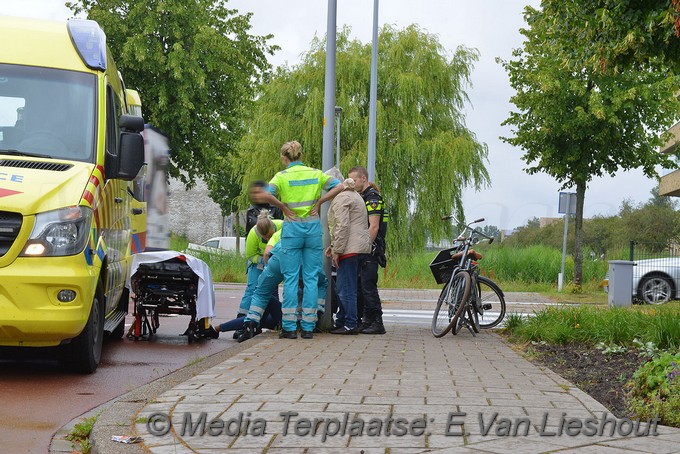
[59, 233]
[90, 42]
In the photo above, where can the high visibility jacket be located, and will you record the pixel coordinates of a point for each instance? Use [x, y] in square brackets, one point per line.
[275, 239]
[300, 187]
[255, 244]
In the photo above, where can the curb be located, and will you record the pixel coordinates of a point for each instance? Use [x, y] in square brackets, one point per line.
[117, 416]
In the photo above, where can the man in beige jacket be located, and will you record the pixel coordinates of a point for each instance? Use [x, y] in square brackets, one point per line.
[350, 241]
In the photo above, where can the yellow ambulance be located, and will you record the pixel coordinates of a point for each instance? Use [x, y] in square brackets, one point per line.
[69, 151]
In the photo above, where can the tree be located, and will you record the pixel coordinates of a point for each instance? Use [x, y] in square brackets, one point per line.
[615, 35]
[661, 201]
[224, 189]
[492, 231]
[578, 123]
[425, 155]
[196, 67]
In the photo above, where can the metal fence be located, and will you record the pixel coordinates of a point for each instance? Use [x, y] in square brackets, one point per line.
[641, 250]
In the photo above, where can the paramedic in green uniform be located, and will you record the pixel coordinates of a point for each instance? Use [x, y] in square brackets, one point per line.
[297, 191]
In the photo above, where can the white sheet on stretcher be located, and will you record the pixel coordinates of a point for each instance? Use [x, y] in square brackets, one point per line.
[205, 298]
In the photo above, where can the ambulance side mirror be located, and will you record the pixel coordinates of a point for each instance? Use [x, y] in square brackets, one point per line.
[130, 157]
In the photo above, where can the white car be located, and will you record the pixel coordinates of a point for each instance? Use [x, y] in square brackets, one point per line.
[218, 245]
[656, 281]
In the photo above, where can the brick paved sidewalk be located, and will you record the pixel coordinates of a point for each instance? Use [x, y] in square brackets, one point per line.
[419, 380]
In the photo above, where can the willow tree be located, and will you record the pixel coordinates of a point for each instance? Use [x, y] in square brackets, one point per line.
[577, 123]
[425, 155]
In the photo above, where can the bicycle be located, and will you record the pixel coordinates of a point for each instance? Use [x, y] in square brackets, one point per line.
[468, 299]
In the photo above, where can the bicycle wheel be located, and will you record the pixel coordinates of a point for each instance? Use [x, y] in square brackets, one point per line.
[447, 304]
[462, 302]
[472, 312]
[490, 303]
[442, 312]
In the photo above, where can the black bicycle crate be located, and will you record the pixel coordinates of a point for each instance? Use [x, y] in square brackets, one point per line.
[442, 265]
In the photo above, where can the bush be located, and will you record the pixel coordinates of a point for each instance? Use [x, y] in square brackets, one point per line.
[655, 390]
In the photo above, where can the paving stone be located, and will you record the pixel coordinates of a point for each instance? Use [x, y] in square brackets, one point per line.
[407, 374]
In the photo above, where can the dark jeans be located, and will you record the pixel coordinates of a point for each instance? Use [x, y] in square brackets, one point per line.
[347, 290]
[368, 288]
[271, 319]
[335, 299]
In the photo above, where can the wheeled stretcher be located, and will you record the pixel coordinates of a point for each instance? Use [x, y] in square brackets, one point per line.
[169, 282]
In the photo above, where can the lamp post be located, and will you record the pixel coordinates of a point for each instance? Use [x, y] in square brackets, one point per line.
[373, 96]
[327, 148]
[338, 111]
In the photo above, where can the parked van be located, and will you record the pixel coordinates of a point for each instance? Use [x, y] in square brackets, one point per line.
[69, 150]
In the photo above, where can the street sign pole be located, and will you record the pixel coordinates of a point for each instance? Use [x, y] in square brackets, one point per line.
[566, 205]
[560, 280]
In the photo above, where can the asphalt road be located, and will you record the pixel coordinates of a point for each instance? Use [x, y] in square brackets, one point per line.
[38, 397]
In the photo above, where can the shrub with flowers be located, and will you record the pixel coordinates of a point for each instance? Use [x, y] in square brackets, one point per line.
[655, 390]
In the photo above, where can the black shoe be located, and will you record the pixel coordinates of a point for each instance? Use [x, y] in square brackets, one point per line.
[307, 335]
[249, 331]
[363, 325]
[344, 330]
[287, 334]
[238, 333]
[212, 333]
[375, 328]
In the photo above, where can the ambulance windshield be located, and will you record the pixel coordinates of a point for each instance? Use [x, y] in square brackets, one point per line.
[47, 112]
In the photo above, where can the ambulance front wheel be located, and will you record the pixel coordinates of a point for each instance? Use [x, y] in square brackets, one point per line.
[83, 353]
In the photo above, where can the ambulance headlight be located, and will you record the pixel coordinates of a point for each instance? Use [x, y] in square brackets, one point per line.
[60, 232]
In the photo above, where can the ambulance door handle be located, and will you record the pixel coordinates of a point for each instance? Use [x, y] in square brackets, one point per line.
[118, 200]
[137, 211]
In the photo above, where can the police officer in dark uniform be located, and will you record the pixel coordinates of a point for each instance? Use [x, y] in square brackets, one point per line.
[369, 298]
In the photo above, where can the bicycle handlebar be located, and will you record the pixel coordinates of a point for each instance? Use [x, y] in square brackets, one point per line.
[450, 216]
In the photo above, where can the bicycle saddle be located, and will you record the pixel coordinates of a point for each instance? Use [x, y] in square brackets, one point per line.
[471, 253]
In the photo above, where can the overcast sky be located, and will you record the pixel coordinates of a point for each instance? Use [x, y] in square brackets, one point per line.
[490, 26]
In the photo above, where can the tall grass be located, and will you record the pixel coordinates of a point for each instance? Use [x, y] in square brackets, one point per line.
[536, 264]
[533, 268]
[178, 242]
[227, 267]
[590, 325]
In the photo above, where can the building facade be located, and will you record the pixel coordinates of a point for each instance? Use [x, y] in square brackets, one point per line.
[192, 213]
[669, 184]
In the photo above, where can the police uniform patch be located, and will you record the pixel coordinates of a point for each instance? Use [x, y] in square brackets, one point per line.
[374, 204]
